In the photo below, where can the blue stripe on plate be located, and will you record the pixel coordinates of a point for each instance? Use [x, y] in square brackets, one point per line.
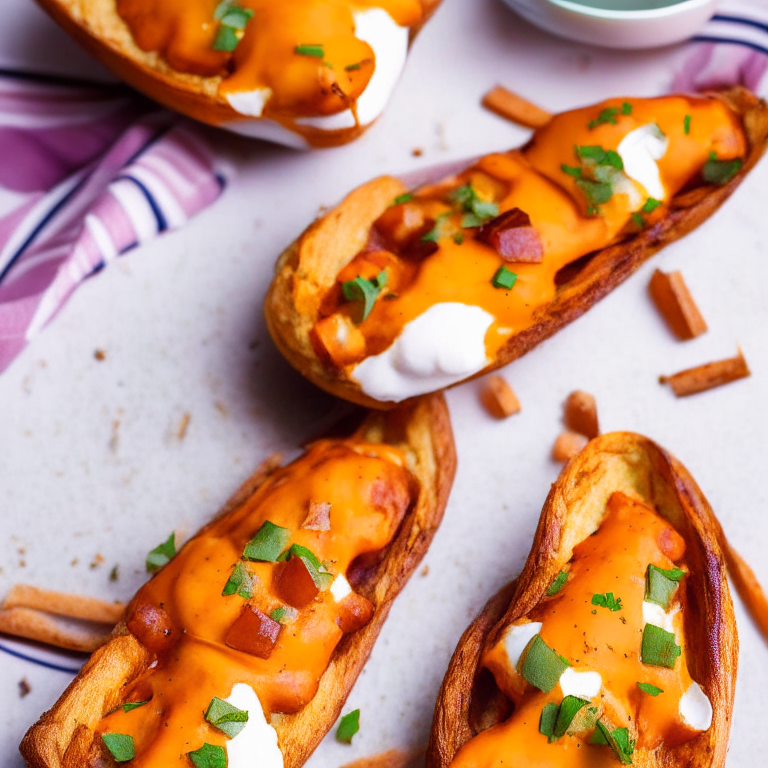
[741, 20]
[162, 224]
[39, 662]
[732, 41]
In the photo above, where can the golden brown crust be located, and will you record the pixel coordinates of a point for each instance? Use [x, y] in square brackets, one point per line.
[63, 737]
[96, 25]
[619, 461]
[289, 319]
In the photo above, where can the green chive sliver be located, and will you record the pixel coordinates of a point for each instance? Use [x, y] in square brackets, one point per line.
[348, 727]
[569, 708]
[365, 291]
[626, 108]
[320, 576]
[504, 278]
[650, 205]
[571, 170]
[226, 39]
[270, 540]
[687, 124]
[606, 116]
[309, 50]
[658, 647]
[226, 717]
[548, 720]
[209, 756]
[239, 582]
[161, 554]
[352, 67]
[120, 746]
[406, 197]
[596, 192]
[236, 17]
[541, 666]
[651, 690]
[607, 601]
[617, 739]
[557, 583]
[661, 585]
[131, 705]
[638, 220]
[720, 171]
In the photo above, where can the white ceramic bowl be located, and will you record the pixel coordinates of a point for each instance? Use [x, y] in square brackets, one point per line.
[618, 23]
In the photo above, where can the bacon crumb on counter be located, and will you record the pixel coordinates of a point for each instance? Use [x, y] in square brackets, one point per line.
[672, 298]
[580, 414]
[24, 687]
[498, 398]
[708, 376]
[514, 108]
[567, 445]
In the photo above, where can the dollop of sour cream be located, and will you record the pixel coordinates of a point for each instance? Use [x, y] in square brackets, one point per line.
[256, 745]
[584, 685]
[340, 588]
[696, 708]
[516, 638]
[440, 347]
[639, 150]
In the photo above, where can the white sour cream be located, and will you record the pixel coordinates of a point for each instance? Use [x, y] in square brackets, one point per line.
[639, 151]
[440, 347]
[585, 685]
[249, 103]
[656, 615]
[516, 638]
[695, 708]
[256, 745]
[340, 588]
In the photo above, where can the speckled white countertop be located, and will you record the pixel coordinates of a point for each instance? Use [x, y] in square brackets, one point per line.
[91, 464]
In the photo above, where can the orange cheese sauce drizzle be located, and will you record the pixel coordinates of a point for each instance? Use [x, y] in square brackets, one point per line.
[591, 638]
[369, 490]
[183, 33]
[532, 180]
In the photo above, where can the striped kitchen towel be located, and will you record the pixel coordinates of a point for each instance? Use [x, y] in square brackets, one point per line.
[87, 172]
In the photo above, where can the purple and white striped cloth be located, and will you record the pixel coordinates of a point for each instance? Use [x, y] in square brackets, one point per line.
[88, 171]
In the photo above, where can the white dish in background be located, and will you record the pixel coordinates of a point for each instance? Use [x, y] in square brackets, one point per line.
[618, 23]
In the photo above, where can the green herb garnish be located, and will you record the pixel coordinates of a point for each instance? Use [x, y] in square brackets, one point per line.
[278, 613]
[226, 39]
[348, 727]
[687, 124]
[267, 544]
[352, 67]
[607, 601]
[617, 739]
[406, 197]
[638, 220]
[316, 569]
[548, 720]
[131, 705]
[226, 717]
[120, 746]
[458, 238]
[658, 648]
[557, 583]
[596, 192]
[651, 690]
[606, 116]
[569, 708]
[571, 170]
[720, 171]
[650, 205]
[240, 581]
[367, 291]
[541, 666]
[626, 108]
[600, 156]
[503, 278]
[660, 585]
[209, 756]
[232, 19]
[309, 50]
[476, 211]
[161, 554]
[436, 232]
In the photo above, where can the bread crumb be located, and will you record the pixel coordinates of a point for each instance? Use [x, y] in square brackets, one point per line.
[567, 445]
[417, 152]
[580, 414]
[498, 398]
[672, 298]
[97, 561]
[100, 355]
[114, 574]
[24, 687]
[181, 433]
[425, 570]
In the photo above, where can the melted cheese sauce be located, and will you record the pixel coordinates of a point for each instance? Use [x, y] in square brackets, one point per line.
[264, 75]
[369, 490]
[595, 639]
[532, 180]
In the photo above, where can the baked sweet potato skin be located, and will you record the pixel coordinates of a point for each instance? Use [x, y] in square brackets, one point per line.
[303, 271]
[619, 461]
[64, 736]
[96, 25]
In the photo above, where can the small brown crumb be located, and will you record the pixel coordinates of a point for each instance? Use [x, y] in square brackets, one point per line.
[319, 516]
[672, 298]
[425, 570]
[114, 574]
[75, 562]
[97, 561]
[567, 445]
[181, 433]
[498, 398]
[580, 414]
[417, 152]
[100, 355]
[708, 376]
[24, 687]
[514, 108]
[114, 440]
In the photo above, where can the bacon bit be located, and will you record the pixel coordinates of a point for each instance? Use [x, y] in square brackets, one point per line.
[417, 151]
[24, 687]
[319, 516]
[567, 445]
[498, 398]
[514, 108]
[580, 414]
[294, 584]
[253, 632]
[339, 339]
[708, 376]
[181, 433]
[100, 355]
[673, 299]
[425, 570]
[671, 543]
[355, 611]
[511, 235]
[153, 627]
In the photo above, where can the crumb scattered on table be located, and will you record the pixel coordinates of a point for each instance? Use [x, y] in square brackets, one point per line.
[24, 687]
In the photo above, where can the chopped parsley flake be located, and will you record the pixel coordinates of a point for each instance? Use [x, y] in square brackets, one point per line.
[161, 554]
[366, 291]
[606, 116]
[607, 601]
[557, 583]
[348, 727]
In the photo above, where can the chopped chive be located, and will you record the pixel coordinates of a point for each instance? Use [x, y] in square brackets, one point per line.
[720, 171]
[406, 197]
[651, 690]
[596, 192]
[618, 740]
[226, 717]
[650, 205]
[569, 708]
[278, 613]
[557, 583]
[161, 554]
[120, 746]
[626, 108]
[503, 278]
[607, 601]
[436, 232]
[606, 116]
[541, 666]
[548, 720]
[239, 582]
[658, 648]
[309, 50]
[458, 238]
[267, 544]
[131, 705]
[226, 39]
[348, 727]
[236, 17]
[571, 170]
[476, 210]
[209, 756]
[320, 576]
[591, 152]
[352, 67]
[471, 221]
[638, 219]
[660, 585]
[687, 124]
[367, 291]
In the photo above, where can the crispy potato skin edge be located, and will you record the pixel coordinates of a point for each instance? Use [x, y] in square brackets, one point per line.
[574, 506]
[64, 736]
[289, 324]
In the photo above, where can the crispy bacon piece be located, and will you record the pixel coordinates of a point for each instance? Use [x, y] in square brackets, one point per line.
[511, 235]
[253, 632]
[514, 108]
[567, 445]
[355, 611]
[580, 414]
[319, 516]
[153, 627]
[498, 398]
[703, 377]
[294, 583]
[672, 298]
